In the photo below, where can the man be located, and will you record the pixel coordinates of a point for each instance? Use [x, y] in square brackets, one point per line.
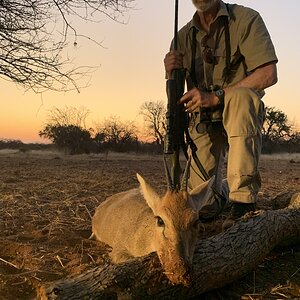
[228, 58]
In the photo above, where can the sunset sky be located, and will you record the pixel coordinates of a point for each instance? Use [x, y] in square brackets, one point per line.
[130, 67]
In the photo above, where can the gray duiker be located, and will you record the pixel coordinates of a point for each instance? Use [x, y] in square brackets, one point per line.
[137, 222]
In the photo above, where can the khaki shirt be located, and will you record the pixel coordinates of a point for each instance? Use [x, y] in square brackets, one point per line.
[249, 38]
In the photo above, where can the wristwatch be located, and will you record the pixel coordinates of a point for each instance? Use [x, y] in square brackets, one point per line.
[220, 94]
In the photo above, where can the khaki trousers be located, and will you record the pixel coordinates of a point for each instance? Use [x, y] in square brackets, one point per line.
[240, 136]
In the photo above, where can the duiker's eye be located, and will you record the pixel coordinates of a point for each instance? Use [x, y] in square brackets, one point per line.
[159, 221]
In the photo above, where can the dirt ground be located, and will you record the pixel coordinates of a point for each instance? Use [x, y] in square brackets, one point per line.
[47, 200]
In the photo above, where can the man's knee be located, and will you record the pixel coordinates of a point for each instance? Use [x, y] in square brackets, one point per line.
[243, 112]
[243, 98]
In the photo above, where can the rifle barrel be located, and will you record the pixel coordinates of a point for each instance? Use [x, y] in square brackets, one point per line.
[175, 45]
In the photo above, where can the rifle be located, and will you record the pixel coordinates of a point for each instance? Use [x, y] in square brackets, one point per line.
[177, 136]
[176, 117]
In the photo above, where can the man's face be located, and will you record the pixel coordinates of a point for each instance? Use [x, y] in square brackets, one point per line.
[204, 5]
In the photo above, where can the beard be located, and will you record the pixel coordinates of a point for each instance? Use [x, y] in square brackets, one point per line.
[204, 5]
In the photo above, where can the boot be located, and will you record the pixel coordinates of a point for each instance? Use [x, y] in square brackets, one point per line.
[237, 211]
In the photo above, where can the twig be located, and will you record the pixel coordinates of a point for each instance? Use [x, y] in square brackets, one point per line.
[91, 257]
[295, 273]
[58, 258]
[276, 290]
[20, 274]
[9, 263]
[81, 256]
[88, 212]
[37, 278]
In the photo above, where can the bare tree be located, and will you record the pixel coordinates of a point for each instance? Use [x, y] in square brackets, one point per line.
[33, 35]
[68, 115]
[66, 128]
[154, 114]
[117, 135]
[276, 124]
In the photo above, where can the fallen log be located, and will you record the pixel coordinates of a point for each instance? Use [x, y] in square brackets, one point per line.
[218, 260]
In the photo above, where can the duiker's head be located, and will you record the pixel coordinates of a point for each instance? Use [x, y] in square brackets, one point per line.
[176, 227]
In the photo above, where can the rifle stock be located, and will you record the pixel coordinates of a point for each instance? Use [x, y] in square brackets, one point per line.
[175, 117]
[175, 123]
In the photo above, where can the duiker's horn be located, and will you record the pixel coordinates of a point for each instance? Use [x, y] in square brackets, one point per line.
[185, 176]
[168, 175]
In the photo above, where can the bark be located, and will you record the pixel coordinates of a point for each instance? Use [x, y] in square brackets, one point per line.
[218, 261]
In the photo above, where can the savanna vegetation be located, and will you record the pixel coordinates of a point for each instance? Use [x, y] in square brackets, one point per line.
[66, 129]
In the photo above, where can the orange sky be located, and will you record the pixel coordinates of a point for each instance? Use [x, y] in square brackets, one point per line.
[130, 68]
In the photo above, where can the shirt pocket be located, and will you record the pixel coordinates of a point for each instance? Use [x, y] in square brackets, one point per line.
[236, 65]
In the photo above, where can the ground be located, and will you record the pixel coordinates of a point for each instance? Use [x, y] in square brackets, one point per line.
[47, 200]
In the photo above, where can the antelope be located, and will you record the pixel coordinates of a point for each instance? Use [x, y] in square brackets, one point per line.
[138, 221]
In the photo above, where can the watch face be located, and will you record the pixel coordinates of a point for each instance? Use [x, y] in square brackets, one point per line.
[219, 93]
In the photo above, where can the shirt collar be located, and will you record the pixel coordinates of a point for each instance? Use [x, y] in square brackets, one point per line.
[222, 12]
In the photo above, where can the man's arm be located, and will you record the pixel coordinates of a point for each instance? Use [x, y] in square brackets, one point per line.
[260, 79]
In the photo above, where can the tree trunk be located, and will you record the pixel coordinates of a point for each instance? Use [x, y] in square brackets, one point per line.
[218, 261]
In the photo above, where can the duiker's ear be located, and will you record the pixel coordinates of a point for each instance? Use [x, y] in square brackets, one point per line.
[202, 193]
[149, 194]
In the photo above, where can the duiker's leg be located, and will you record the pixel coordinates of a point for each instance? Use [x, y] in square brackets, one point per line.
[119, 255]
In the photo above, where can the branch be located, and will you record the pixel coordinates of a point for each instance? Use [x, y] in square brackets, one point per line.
[31, 52]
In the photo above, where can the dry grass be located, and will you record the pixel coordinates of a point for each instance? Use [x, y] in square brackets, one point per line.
[283, 156]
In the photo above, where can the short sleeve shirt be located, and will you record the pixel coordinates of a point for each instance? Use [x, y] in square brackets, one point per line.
[250, 46]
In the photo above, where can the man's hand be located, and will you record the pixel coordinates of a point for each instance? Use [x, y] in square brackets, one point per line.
[173, 60]
[196, 98]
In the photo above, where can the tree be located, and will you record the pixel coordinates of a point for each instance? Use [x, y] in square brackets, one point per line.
[33, 35]
[66, 129]
[117, 135]
[293, 143]
[276, 131]
[278, 135]
[154, 114]
[71, 138]
[68, 115]
[276, 124]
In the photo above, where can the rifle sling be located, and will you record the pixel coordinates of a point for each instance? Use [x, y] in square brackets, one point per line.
[194, 149]
[205, 175]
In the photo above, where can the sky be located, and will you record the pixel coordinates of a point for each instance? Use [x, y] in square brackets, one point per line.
[130, 71]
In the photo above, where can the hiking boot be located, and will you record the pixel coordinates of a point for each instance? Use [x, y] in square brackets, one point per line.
[237, 211]
[209, 212]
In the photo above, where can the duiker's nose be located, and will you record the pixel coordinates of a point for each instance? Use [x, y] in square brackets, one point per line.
[187, 279]
[187, 276]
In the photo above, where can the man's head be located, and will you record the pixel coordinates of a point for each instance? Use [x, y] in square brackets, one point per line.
[204, 5]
